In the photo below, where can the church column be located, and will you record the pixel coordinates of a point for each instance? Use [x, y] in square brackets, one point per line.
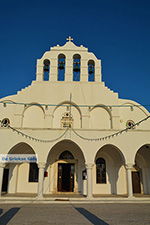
[89, 180]
[41, 167]
[129, 168]
[2, 165]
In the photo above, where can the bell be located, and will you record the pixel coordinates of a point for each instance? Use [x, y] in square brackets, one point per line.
[61, 66]
[91, 70]
[46, 68]
[76, 67]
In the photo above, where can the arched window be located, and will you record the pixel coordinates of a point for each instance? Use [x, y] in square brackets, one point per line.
[46, 69]
[100, 171]
[91, 70]
[66, 155]
[61, 67]
[76, 67]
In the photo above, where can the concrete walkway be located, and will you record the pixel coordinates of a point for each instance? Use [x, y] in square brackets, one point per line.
[68, 198]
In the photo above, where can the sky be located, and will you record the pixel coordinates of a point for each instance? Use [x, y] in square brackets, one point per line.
[117, 32]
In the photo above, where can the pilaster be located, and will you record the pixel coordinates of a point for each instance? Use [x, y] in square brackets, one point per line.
[84, 70]
[39, 71]
[69, 69]
[53, 69]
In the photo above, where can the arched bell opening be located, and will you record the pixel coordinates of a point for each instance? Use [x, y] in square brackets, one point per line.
[140, 174]
[61, 67]
[91, 70]
[76, 67]
[46, 70]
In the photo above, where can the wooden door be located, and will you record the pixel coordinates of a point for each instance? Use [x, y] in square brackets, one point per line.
[65, 177]
[59, 183]
[72, 170]
[136, 182]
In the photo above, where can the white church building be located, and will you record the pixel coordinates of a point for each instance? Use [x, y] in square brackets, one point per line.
[87, 140]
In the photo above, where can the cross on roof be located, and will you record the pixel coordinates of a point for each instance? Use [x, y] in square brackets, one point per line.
[69, 39]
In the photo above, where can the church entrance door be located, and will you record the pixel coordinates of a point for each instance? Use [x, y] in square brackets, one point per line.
[136, 182]
[66, 177]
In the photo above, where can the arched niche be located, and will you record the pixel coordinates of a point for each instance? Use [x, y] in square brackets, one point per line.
[29, 118]
[61, 67]
[115, 171]
[100, 117]
[76, 67]
[91, 70]
[130, 111]
[142, 170]
[64, 108]
[46, 70]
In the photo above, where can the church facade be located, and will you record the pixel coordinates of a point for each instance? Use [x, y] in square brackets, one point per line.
[86, 139]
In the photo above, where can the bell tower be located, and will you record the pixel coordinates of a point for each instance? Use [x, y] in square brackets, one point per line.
[68, 63]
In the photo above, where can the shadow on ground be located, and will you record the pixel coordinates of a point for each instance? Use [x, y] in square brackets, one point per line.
[7, 216]
[1, 211]
[91, 217]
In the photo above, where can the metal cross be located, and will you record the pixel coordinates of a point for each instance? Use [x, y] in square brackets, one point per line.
[69, 39]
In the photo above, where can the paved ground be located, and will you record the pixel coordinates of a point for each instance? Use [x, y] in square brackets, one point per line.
[73, 214]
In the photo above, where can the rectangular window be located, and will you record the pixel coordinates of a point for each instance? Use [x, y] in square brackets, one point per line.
[33, 172]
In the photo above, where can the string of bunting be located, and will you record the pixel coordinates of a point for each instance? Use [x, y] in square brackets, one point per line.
[37, 139]
[84, 138]
[112, 135]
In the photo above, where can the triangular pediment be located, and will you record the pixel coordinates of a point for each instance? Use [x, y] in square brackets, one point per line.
[69, 45]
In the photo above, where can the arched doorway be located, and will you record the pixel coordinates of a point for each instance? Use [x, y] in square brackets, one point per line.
[109, 171]
[65, 164]
[140, 176]
[20, 177]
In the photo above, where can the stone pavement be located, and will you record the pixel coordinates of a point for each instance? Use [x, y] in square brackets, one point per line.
[74, 214]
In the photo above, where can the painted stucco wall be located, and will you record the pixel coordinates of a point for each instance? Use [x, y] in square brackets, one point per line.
[40, 116]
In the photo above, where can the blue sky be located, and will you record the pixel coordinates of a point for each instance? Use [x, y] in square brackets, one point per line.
[117, 32]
